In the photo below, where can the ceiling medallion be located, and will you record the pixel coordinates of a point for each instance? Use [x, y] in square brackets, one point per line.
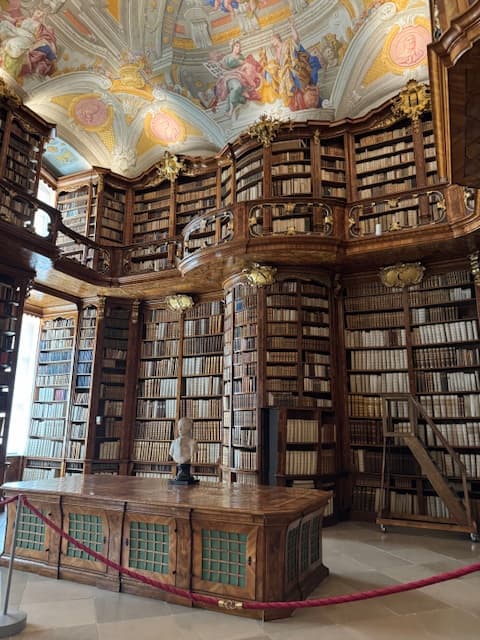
[169, 167]
[265, 129]
[179, 302]
[412, 101]
[259, 275]
[402, 275]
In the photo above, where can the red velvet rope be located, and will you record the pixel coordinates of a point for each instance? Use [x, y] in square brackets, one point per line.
[293, 604]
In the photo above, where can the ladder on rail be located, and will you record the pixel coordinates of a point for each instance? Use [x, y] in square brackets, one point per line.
[401, 414]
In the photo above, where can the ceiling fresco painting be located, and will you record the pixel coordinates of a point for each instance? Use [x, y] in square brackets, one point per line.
[126, 80]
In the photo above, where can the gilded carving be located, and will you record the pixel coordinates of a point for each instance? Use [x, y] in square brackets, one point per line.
[402, 275]
[179, 302]
[259, 275]
[412, 101]
[475, 266]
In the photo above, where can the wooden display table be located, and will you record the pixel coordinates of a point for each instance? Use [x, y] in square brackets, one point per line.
[235, 542]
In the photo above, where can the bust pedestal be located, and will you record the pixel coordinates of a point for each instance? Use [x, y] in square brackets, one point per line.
[183, 475]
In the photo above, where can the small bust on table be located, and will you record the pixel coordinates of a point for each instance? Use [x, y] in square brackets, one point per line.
[182, 451]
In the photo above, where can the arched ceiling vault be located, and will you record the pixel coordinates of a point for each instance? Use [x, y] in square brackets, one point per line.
[126, 80]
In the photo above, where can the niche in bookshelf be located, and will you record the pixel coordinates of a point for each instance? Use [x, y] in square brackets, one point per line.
[110, 429]
[300, 449]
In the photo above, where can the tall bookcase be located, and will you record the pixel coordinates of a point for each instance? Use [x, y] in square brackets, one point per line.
[421, 340]
[110, 424]
[202, 383]
[48, 428]
[12, 293]
[249, 174]
[277, 353]
[180, 374]
[112, 213]
[82, 386]
[157, 390]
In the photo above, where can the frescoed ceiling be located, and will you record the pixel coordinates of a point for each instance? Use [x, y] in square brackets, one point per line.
[125, 80]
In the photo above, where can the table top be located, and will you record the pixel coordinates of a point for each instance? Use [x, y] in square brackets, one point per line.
[259, 500]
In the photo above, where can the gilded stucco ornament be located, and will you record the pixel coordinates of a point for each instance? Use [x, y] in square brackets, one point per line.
[475, 266]
[265, 129]
[412, 101]
[179, 302]
[259, 275]
[169, 167]
[402, 275]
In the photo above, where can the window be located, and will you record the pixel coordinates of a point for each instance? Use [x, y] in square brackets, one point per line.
[22, 392]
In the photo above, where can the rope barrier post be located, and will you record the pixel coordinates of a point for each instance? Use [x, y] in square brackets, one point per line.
[13, 622]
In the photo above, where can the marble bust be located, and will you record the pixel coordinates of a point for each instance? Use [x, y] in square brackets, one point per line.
[182, 450]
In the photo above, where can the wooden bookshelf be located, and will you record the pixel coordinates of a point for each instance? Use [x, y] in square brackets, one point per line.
[291, 167]
[300, 449]
[297, 322]
[21, 152]
[109, 430]
[249, 175]
[194, 196]
[112, 207]
[422, 340]
[226, 185]
[240, 447]
[157, 390]
[50, 408]
[333, 178]
[82, 385]
[12, 294]
[151, 213]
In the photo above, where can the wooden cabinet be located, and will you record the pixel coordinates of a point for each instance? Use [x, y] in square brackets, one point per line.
[36, 542]
[261, 543]
[225, 557]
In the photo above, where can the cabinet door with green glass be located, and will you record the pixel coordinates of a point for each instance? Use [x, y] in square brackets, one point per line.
[149, 546]
[35, 540]
[90, 527]
[224, 557]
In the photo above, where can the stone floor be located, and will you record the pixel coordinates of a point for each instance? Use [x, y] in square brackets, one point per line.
[359, 556]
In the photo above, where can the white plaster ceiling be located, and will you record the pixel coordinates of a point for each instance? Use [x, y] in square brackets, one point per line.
[124, 80]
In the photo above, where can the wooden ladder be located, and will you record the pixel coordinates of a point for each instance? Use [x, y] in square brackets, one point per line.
[405, 408]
